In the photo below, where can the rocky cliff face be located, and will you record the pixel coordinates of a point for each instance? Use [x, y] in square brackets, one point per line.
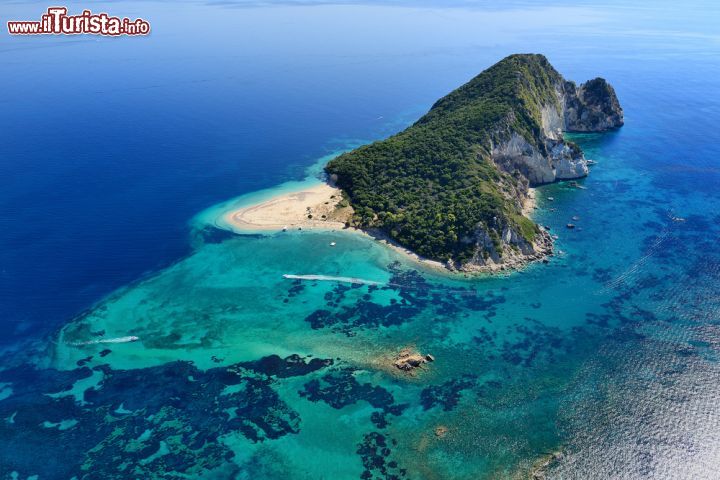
[591, 107]
[554, 160]
[546, 158]
[514, 252]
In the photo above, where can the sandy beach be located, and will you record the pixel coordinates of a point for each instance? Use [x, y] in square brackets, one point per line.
[310, 208]
[530, 203]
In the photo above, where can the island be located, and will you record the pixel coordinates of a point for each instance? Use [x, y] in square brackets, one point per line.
[456, 186]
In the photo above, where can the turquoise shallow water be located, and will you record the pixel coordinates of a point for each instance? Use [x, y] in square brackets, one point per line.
[526, 364]
[608, 354]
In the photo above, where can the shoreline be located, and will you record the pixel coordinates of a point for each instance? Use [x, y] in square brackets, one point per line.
[323, 207]
[315, 207]
[289, 211]
[530, 203]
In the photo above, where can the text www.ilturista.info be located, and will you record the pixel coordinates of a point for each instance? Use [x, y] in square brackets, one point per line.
[57, 22]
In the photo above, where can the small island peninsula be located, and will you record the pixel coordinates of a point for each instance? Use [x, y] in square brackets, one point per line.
[454, 187]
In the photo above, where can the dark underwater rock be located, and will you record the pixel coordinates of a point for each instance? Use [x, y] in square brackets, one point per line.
[174, 408]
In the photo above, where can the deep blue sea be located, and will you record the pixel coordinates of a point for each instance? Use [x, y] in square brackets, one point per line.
[115, 152]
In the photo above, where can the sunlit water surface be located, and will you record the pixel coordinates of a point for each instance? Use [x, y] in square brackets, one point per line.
[606, 358]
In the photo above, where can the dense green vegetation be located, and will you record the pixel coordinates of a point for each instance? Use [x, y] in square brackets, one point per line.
[432, 186]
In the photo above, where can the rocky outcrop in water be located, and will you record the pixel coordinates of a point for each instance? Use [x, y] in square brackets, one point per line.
[592, 107]
[408, 360]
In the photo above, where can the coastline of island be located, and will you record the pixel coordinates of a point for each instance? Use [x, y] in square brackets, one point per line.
[454, 190]
[323, 203]
[311, 207]
[454, 185]
[321, 207]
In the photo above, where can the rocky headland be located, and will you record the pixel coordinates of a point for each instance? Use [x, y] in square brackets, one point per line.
[452, 187]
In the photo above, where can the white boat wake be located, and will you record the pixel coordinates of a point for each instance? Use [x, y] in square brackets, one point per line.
[633, 271]
[128, 339]
[328, 278]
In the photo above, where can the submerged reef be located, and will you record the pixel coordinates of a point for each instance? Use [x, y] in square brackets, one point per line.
[163, 421]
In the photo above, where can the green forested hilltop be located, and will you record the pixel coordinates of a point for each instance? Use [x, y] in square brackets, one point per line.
[435, 187]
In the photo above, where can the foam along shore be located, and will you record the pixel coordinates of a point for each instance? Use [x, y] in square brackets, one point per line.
[313, 207]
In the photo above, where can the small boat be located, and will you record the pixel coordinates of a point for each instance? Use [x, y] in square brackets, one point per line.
[570, 225]
[675, 218]
[591, 162]
[552, 199]
[332, 244]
